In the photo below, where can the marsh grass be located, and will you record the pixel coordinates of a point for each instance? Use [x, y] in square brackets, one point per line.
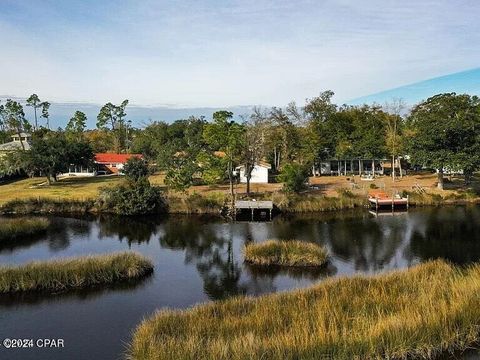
[73, 273]
[285, 253]
[196, 203]
[47, 206]
[421, 312]
[12, 229]
[305, 203]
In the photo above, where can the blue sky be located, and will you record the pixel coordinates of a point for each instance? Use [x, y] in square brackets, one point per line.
[462, 82]
[182, 54]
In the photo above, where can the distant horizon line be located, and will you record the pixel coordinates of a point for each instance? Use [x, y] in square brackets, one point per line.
[365, 99]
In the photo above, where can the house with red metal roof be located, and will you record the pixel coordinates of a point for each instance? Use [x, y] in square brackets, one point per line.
[104, 163]
[113, 163]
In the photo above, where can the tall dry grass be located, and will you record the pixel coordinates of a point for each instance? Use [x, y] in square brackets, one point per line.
[11, 229]
[416, 313]
[305, 203]
[285, 253]
[208, 203]
[48, 206]
[73, 273]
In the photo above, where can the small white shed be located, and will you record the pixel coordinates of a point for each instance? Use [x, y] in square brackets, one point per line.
[259, 173]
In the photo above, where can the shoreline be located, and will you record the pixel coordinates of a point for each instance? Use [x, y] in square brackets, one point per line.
[284, 204]
[423, 311]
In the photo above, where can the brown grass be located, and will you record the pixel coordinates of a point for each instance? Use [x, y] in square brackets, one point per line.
[74, 273]
[416, 313]
[285, 253]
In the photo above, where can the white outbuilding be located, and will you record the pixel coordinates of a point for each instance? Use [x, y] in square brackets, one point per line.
[259, 173]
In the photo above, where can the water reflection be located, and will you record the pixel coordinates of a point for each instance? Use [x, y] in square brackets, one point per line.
[271, 272]
[197, 260]
[132, 229]
[33, 298]
[210, 250]
[449, 233]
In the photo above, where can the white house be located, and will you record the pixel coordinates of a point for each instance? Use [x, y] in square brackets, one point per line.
[104, 163]
[259, 173]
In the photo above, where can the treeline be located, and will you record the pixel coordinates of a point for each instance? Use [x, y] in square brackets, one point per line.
[442, 133]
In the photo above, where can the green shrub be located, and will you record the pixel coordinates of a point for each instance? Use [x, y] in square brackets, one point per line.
[135, 169]
[373, 186]
[133, 198]
[294, 177]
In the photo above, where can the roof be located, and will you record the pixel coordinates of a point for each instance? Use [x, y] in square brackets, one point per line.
[219, 154]
[22, 134]
[107, 158]
[14, 146]
[262, 164]
[245, 204]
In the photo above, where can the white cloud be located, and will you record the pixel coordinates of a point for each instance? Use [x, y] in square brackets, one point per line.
[235, 52]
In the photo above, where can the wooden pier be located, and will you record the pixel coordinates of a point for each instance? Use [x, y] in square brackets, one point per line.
[252, 205]
[380, 200]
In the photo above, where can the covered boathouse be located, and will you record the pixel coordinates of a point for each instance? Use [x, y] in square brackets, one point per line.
[340, 167]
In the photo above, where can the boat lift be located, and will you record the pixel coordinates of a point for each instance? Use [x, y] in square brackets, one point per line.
[253, 205]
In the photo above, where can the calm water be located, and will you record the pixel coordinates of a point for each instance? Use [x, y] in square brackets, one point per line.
[200, 260]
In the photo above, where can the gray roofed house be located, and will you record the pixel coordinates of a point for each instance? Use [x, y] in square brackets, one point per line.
[16, 144]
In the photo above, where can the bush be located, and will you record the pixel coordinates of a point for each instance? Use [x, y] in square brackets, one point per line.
[135, 169]
[294, 177]
[373, 186]
[133, 198]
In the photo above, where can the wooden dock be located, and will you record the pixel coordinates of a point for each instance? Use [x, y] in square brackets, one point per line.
[253, 205]
[380, 200]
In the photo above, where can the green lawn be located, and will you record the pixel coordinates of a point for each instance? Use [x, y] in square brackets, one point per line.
[70, 188]
[73, 188]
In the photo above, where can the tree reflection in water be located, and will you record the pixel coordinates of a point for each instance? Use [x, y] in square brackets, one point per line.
[58, 234]
[356, 241]
[450, 233]
[132, 229]
[211, 250]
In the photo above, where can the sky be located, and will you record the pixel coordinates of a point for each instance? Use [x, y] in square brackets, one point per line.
[177, 55]
[462, 82]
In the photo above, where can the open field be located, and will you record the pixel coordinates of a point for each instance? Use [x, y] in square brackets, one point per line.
[420, 312]
[11, 229]
[74, 273]
[285, 253]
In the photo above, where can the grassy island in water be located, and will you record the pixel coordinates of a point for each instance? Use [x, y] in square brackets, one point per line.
[74, 273]
[419, 312]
